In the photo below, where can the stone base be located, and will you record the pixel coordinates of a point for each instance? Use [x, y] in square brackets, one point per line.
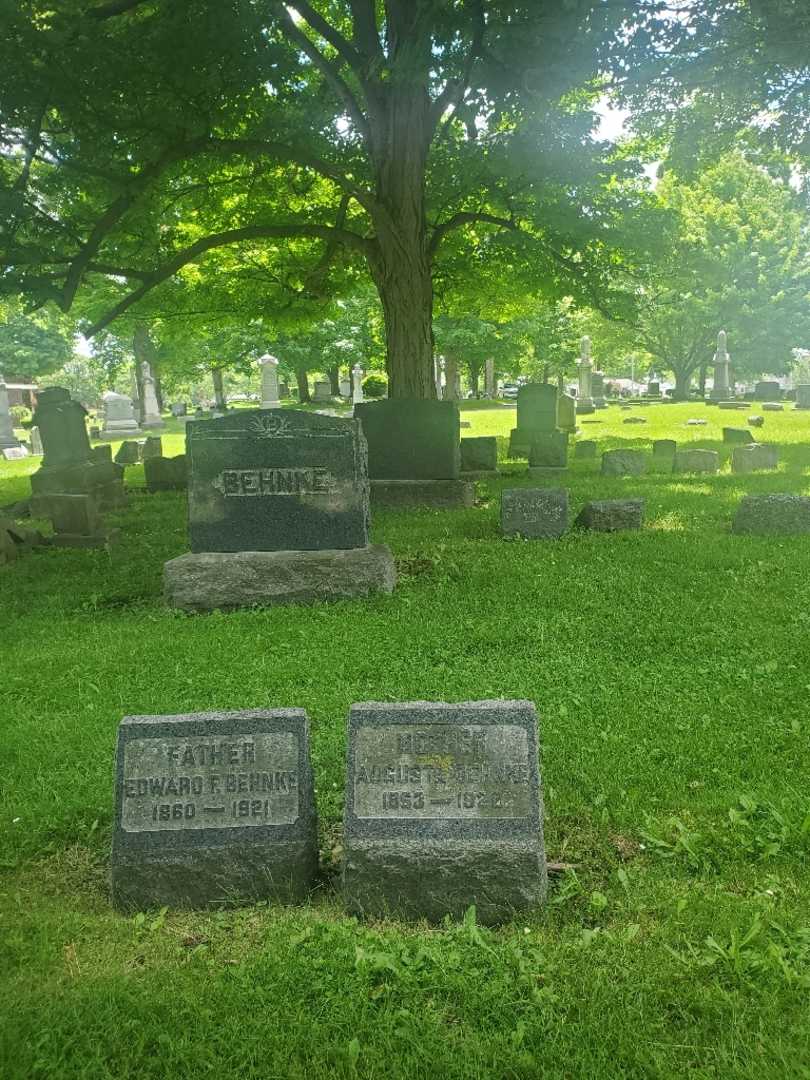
[128, 432]
[9, 442]
[214, 875]
[772, 515]
[222, 580]
[439, 494]
[429, 879]
[472, 475]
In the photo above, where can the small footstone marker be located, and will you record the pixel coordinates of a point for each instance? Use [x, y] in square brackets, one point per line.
[535, 513]
[747, 459]
[443, 810]
[773, 515]
[740, 436]
[585, 450]
[611, 515]
[696, 461]
[623, 463]
[213, 808]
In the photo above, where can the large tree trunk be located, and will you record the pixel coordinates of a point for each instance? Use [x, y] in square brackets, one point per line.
[334, 380]
[219, 390]
[683, 381]
[302, 380]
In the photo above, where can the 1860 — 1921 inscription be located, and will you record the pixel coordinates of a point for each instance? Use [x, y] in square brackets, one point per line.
[212, 808]
[443, 810]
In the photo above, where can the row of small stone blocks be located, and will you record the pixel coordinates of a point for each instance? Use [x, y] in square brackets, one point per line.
[744, 459]
[443, 810]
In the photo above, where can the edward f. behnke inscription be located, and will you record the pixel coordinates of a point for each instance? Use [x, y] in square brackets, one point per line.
[213, 808]
[277, 480]
[443, 810]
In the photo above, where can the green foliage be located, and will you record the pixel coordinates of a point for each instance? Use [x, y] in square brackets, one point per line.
[375, 386]
[32, 346]
[20, 414]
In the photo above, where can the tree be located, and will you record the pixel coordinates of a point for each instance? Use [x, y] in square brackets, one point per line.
[32, 346]
[738, 260]
[311, 134]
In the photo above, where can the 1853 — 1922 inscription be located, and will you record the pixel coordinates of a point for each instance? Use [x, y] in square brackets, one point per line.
[213, 808]
[443, 810]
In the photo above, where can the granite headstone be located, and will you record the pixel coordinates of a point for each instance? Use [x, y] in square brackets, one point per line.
[534, 513]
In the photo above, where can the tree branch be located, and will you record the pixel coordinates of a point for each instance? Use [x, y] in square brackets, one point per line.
[232, 236]
[366, 31]
[116, 7]
[465, 217]
[329, 33]
[453, 93]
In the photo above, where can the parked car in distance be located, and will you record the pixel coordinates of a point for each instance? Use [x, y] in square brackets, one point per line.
[509, 390]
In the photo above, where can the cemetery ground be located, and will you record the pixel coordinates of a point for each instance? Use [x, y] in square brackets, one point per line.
[671, 670]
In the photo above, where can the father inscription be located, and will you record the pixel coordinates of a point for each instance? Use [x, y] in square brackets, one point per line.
[443, 810]
[213, 808]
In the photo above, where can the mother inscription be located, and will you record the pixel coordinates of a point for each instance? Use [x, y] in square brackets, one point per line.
[213, 808]
[443, 810]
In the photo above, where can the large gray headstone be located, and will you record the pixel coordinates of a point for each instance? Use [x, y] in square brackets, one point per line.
[411, 439]
[277, 480]
[443, 810]
[213, 808]
[773, 515]
[623, 463]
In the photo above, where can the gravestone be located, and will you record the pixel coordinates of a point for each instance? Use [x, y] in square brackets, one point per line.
[803, 396]
[747, 459]
[549, 451]
[129, 453]
[76, 519]
[611, 515]
[151, 409]
[179, 408]
[664, 449]
[566, 413]
[357, 384]
[721, 360]
[635, 420]
[755, 421]
[772, 406]
[67, 465]
[270, 391]
[654, 389]
[624, 463]
[14, 453]
[152, 447]
[8, 439]
[443, 811]
[345, 388]
[696, 461]
[479, 455]
[322, 391]
[36, 442]
[102, 453]
[733, 406]
[773, 515]
[414, 454]
[534, 513]
[585, 450]
[598, 389]
[119, 417]
[536, 415]
[696, 423]
[767, 391]
[585, 365]
[213, 809]
[738, 436]
[166, 474]
[278, 513]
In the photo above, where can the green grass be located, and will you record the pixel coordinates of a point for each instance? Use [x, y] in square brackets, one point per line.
[671, 671]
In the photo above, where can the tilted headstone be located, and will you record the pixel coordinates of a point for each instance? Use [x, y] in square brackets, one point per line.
[773, 515]
[152, 447]
[767, 391]
[739, 436]
[270, 391]
[213, 809]
[611, 515]
[760, 456]
[664, 448]
[803, 396]
[479, 454]
[623, 463]
[165, 473]
[411, 439]
[585, 450]
[443, 810]
[536, 415]
[277, 480]
[322, 391]
[696, 461]
[534, 513]
[8, 439]
[119, 417]
[129, 453]
[549, 451]
[772, 406]
[566, 413]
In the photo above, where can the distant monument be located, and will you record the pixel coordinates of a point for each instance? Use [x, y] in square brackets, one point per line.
[119, 416]
[721, 360]
[585, 364]
[7, 437]
[357, 384]
[269, 366]
[151, 409]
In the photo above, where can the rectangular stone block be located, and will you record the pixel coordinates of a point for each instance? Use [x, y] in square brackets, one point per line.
[549, 450]
[696, 461]
[76, 515]
[585, 450]
[773, 515]
[213, 809]
[443, 810]
[738, 436]
[747, 459]
[435, 494]
[665, 448]
[479, 454]
[611, 515]
[410, 439]
[536, 513]
[166, 474]
[772, 406]
[624, 463]
[277, 480]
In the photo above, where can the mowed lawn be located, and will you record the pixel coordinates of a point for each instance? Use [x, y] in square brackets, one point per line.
[670, 669]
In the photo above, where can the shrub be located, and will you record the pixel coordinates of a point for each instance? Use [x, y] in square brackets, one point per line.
[20, 414]
[375, 386]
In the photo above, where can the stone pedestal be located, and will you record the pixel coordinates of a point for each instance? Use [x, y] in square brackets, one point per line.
[8, 439]
[151, 411]
[721, 360]
[270, 391]
[357, 384]
[119, 417]
[218, 580]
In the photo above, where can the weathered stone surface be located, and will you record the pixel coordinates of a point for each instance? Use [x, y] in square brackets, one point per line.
[62, 428]
[549, 450]
[411, 439]
[443, 810]
[129, 453]
[535, 513]
[767, 391]
[152, 447]
[213, 809]
[536, 416]
[8, 440]
[437, 494]
[755, 421]
[102, 454]
[479, 454]
[747, 459]
[566, 413]
[737, 436]
[772, 406]
[664, 448]
[773, 515]
[585, 450]
[119, 416]
[696, 461]
[732, 405]
[76, 519]
[635, 420]
[611, 515]
[277, 480]
[210, 581]
[624, 463]
[166, 474]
